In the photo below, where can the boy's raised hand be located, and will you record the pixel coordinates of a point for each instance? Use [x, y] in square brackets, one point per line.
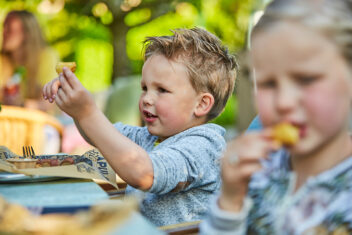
[241, 160]
[70, 95]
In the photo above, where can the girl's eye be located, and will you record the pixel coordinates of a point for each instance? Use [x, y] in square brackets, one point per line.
[306, 80]
[162, 90]
[144, 88]
[267, 84]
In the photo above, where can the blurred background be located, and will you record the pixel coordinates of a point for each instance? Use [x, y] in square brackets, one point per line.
[105, 38]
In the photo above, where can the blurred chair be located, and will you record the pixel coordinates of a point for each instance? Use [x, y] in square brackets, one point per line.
[27, 127]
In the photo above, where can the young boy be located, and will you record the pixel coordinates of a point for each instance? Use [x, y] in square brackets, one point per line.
[186, 81]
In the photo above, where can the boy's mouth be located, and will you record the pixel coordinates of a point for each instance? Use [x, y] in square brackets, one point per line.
[149, 117]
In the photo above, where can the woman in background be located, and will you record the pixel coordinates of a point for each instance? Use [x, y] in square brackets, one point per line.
[26, 61]
[26, 64]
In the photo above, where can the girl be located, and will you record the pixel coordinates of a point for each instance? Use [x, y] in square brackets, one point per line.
[302, 55]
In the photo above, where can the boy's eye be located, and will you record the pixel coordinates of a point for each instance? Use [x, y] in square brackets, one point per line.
[162, 90]
[144, 88]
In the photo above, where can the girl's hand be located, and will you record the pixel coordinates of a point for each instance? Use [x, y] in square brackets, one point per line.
[242, 159]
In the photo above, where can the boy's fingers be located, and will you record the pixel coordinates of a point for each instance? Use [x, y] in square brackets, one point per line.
[54, 86]
[71, 77]
[45, 94]
[61, 96]
[59, 99]
[65, 85]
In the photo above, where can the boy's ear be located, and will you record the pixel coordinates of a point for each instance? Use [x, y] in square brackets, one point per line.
[206, 102]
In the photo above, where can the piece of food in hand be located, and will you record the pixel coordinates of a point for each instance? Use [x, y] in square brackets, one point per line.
[286, 134]
[61, 65]
[67, 161]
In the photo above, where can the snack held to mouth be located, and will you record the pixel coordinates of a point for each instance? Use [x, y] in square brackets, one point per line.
[286, 134]
[61, 65]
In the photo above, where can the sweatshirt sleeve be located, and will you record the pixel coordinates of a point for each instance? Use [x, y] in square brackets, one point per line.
[139, 135]
[224, 222]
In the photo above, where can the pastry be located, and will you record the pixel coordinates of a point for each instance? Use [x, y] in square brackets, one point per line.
[61, 65]
[286, 134]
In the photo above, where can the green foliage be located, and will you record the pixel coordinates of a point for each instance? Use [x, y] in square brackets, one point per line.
[138, 17]
[228, 117]
[94, 63]
[185, 16]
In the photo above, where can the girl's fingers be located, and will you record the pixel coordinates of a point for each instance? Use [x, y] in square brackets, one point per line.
[247, 170]
[235, 159]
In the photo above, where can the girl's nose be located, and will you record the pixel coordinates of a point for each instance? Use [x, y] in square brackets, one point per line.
[287, 98]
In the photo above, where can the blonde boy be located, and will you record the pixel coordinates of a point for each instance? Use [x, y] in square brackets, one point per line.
[186, 81]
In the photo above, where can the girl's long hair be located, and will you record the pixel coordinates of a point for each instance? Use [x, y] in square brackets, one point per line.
[30, 50]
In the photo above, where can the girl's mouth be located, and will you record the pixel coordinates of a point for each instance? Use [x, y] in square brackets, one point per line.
[302, 129]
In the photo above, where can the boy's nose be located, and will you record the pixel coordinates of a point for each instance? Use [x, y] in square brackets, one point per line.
[147, 99]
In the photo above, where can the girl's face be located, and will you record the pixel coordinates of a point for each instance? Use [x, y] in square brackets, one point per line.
[302, 79]
[168, 100]
[13, 35]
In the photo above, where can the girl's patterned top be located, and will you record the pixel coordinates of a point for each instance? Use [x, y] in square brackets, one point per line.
[323, 205]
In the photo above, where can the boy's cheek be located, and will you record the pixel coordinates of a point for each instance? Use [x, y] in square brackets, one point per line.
[140, 105]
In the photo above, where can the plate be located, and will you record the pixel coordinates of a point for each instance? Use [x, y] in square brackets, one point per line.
[6, 177]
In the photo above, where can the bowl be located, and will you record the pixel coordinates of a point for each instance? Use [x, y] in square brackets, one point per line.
[23, 163]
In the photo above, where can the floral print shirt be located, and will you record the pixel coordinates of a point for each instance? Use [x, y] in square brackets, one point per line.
[323, 205]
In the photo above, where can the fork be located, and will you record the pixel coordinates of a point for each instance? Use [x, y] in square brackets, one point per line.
[28, 152]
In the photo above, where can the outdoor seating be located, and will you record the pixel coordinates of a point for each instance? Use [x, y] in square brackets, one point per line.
[25, 127]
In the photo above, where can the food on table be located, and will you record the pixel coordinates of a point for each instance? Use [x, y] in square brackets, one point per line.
[43, 163]
[67, 161]
[286, 134]
[61, 65]
[22, 163]
[55, 162]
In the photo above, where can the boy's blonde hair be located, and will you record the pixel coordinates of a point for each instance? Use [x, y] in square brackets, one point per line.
[210, 66]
